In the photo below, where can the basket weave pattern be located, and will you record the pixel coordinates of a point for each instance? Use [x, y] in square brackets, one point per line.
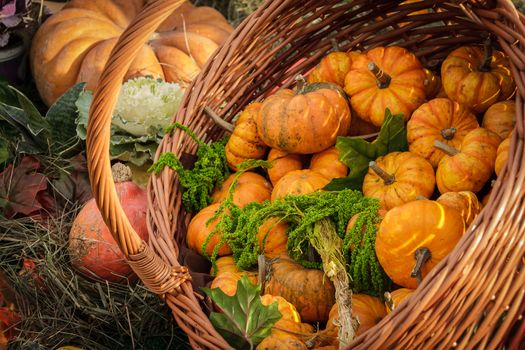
[461, 302]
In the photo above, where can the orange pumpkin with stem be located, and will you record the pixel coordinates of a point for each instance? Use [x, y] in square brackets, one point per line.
[415, 237]
[465, 202]
[502, 155]
[250, 187]
[470, 167]
[477, 77]
[385, 77]
[439, 119]
[395, 298]
[282, 164]
[299, 182]
[399, 177]
[500, 118]
[245, 143]
[307, 121]
[327, 163]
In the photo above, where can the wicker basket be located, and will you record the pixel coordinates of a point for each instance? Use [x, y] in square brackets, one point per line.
[461, 302]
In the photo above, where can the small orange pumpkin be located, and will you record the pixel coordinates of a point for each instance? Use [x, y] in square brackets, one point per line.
[502, 155]
[399, 177]
[282, 164]
[250, 187]
[327, 163]
[305, 122]
[332, 68]
[415, 237]
[299, 182]
[281, 340]
[272, 235]
[477, 77]
[470, 167]
[465, 202]
[396, 297]
[439, 119]
[227, 281]
[224, 264]
[385, 77]
[245, 143]
[500, 118]
[198, 232]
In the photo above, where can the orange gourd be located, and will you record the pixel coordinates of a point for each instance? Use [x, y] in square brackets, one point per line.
[396, 297]
[224, 264]
[477, 77]
[415, 237]
[282, 164]
[290, 321]
[299, 182]
[470, 167]
[500, 118]
[304, 122]
[399, 177]
[465, 202]
[273, 237]
[439, 119]
[307, 289]
[385, 77]
[250, 187]
[281, 340]
[227, 281]
[74, 44]
[502, 155]
[245, 143]
[198, 232]
[332, 68]
[327, 163]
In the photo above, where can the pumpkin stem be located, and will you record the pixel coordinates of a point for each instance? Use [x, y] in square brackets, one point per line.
[121, 173]
[301, 84]
[451, 151]
[383, 79]
[448, 133]
[389, 302]
[487, 60]
[422, 255]
[218, 120]
[387, 178]
[262, 269]
[335, 45]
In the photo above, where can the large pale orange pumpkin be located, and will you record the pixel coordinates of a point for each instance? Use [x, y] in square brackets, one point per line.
[415, 237]
[199, 230]
[477, 77]
[327, 163]
[74, 44]
[244, 143]
[282, 164]
[465, 202]
[307, 289]
[250, 187]
[305, 122]
[299, 182]
[500, 118]
[385, 77]
[399, 177]
[470, 167]
[439, 119]
[332, 68]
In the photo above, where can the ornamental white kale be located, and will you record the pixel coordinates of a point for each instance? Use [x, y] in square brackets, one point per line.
[145, 105]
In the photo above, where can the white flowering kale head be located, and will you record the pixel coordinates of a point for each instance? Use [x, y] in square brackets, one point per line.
[146, 105]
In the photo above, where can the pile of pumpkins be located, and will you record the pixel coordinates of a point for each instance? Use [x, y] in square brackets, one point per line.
[459, 124]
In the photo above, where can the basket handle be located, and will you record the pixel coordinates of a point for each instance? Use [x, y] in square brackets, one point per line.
[153, 271]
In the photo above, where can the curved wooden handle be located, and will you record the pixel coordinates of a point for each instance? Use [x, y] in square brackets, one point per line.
[100, 113]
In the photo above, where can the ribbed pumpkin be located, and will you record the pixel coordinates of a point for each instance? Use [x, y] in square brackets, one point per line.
[396, 298]
[74, 44]
[500, 118]
[502, 155]
[282, 164]
[477, 77]
[471, 166]
[382, 78]
[305, 122]
[465, 202]
[327, 163]
[281, 340]
[399, 177]
[290, 321]
[250, 187]
[439, 119]
[272, 235]
[198, 232]
[307, 289]
[227, 281]
[415, 237]
[224, 264]
[299, 182]
[332, 68]
[245, 143]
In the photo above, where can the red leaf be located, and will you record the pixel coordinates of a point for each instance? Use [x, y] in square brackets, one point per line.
[8, 319]
[20, 188]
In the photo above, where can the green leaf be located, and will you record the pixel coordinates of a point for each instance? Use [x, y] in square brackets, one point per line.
[245, 321]
[4, 151]
[18, 120]
[7, 95]
[34, 121]
[83, 103]
[357, 153]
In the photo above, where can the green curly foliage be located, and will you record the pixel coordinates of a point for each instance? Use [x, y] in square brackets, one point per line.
[209, 170]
